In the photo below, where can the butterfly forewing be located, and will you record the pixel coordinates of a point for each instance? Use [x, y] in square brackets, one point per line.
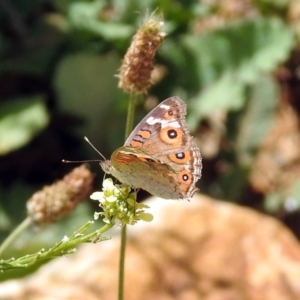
[160, 156]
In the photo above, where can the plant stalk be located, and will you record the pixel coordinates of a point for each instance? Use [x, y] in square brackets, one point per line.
[129, 127]
[15, 233]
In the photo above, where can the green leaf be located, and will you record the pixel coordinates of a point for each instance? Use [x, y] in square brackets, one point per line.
[275, 3]
[85, 16]
[257, 118]
[246, 48]
[89, 80]
[226, 93]
[222, 63]
[20, 121]
[272, 7]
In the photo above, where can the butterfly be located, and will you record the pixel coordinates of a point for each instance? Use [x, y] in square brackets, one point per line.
[160, 155]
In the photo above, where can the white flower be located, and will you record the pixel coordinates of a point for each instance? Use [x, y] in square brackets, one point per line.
[97, 196]
[119, 205]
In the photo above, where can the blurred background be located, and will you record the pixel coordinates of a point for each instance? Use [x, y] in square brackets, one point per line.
[235, 63]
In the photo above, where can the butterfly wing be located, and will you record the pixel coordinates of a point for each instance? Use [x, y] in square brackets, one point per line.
[135, 167]
[163, 135]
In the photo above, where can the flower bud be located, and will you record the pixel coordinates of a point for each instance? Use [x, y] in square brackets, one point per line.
[60, 198]
[137, 65]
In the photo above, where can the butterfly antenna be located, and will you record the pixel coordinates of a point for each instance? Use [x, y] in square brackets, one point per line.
[79, 161]
[87, 140]
[89, 160]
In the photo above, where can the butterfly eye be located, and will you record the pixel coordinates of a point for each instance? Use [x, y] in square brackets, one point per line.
[170, 112]
[185, 177]
[180, 155]
[172, 134]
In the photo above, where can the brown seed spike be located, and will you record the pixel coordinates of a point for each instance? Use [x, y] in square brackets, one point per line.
[137, 65]
[60, 198]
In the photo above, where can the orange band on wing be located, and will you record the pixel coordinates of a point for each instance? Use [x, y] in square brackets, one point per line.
[134, 143]
[125, 158]
[145, 134]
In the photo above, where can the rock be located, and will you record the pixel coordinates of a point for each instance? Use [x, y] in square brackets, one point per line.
[203, 249]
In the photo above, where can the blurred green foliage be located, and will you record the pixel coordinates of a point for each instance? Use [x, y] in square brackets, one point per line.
[58, 61]
[20, 121]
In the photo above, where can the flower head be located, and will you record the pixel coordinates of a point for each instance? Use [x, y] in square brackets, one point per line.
[119, 205]
[137, 65]
[60, 198]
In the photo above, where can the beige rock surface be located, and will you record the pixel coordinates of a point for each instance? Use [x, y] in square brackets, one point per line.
[203, 249]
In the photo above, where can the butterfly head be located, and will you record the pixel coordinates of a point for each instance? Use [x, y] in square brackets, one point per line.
[106, 166]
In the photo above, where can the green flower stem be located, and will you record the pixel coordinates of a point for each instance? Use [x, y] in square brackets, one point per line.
[130, 115]
[129, 127]
[14, 234]
[122, 262]
[66, 246]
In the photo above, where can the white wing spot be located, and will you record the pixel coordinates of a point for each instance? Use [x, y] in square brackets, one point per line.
[152, 120]
[173, 124]
[164, 123]
[166, 107]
